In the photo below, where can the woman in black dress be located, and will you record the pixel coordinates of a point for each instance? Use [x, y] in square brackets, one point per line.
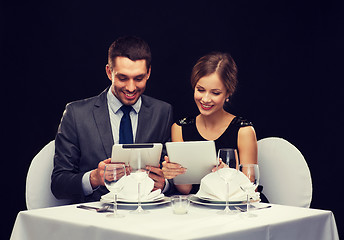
[214, 79]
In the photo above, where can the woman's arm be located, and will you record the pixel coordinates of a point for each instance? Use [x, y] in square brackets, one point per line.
[176, 133]
[172, 170]
[247, 145]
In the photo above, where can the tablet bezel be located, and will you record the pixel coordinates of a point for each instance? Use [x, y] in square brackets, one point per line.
[150, 153]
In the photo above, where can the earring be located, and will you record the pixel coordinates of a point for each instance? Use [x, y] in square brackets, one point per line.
[227, 100]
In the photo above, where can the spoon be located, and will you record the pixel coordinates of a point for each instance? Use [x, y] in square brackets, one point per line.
[101, 209]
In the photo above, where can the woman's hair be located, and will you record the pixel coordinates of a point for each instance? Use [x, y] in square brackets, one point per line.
[216, 62]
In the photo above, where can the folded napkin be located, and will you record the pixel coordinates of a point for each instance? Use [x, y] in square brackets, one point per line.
[129, 190]
[213, 187]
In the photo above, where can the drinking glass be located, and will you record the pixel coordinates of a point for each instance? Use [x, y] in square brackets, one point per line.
[230, 157]
[139, 172]
[180, 204]
[112, 174]
[252, 173]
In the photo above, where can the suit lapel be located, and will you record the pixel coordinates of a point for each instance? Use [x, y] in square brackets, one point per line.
[144, 123]
[102, 119]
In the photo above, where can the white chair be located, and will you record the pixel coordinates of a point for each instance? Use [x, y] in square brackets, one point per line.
[284, 173]
[38, 180]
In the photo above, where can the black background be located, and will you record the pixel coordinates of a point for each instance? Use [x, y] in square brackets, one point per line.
[289, 56]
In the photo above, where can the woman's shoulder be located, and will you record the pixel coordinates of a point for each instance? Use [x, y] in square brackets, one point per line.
[187, 128]
[185, 121]
[241, 122]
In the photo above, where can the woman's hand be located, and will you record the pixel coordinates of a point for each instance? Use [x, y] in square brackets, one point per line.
[221, 165]
[171, 170]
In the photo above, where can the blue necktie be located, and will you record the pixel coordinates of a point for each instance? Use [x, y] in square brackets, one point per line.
[125, 129]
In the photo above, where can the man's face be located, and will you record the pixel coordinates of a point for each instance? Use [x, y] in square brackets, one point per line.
[128, 79]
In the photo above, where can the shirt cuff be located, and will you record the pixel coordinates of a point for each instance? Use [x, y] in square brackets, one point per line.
[86, 184]
[167, 186]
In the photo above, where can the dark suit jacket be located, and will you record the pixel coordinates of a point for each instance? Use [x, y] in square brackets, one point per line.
[84, 138]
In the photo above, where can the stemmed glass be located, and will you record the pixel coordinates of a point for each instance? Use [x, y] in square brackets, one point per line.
[230, 157]
[112, 174]
[139, 172]
[252, 172]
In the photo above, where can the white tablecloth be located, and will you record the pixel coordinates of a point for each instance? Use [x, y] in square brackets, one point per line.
[277, 222]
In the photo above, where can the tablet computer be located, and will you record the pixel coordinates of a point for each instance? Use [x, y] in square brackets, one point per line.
[149, 153]
[199, 157]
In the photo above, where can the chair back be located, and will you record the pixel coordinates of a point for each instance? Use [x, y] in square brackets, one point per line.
[38, 193]
[284, 173]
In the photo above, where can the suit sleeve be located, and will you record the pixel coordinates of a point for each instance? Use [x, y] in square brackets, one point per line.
[66, 179]
[167, 132]
[169, 125]
[170, 188]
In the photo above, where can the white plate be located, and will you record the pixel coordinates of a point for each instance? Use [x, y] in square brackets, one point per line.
[219, 201]
[155, 199]
[207, 202]
[109, 199]
[163, 200]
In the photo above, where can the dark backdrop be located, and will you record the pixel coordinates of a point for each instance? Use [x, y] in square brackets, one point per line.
[290, 70]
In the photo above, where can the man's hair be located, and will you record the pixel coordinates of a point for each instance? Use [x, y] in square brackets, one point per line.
[130, 47]
[216, 62]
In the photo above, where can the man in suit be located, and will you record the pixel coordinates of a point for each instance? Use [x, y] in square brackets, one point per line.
[90, 127]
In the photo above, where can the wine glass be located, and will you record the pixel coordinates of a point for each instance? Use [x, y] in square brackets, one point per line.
[229, 157]
[112, 174]
[252, 173]
[139, 172]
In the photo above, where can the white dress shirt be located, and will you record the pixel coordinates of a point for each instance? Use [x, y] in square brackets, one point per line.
[116, 114]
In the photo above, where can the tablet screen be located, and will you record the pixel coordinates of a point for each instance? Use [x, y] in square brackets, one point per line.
[199, 157]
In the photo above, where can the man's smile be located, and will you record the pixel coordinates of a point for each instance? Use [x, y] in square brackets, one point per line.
[130, 96]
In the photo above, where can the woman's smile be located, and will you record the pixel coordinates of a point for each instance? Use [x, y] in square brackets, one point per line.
[206, 106]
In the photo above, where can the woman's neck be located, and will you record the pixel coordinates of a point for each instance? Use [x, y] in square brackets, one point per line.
[215, 119]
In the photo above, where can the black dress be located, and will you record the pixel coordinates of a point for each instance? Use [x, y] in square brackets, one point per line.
[229, 139]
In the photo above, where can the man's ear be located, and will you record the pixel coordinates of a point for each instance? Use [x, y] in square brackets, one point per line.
[108, 71]
[149, 72]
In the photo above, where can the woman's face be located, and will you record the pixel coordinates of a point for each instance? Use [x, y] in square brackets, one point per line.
[210, 94]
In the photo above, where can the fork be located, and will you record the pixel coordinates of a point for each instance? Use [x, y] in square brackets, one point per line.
[244, 210]
[101, 209]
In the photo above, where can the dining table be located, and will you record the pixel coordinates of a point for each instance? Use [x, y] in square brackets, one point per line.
[271, 221]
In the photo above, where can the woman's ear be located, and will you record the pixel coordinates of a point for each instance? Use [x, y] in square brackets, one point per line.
[228, 96]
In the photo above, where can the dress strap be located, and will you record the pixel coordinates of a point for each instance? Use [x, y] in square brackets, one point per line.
[241, 122]
[186, 121]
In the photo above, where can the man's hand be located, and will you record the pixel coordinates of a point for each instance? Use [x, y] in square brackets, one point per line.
[157, 176]
[97, 175]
